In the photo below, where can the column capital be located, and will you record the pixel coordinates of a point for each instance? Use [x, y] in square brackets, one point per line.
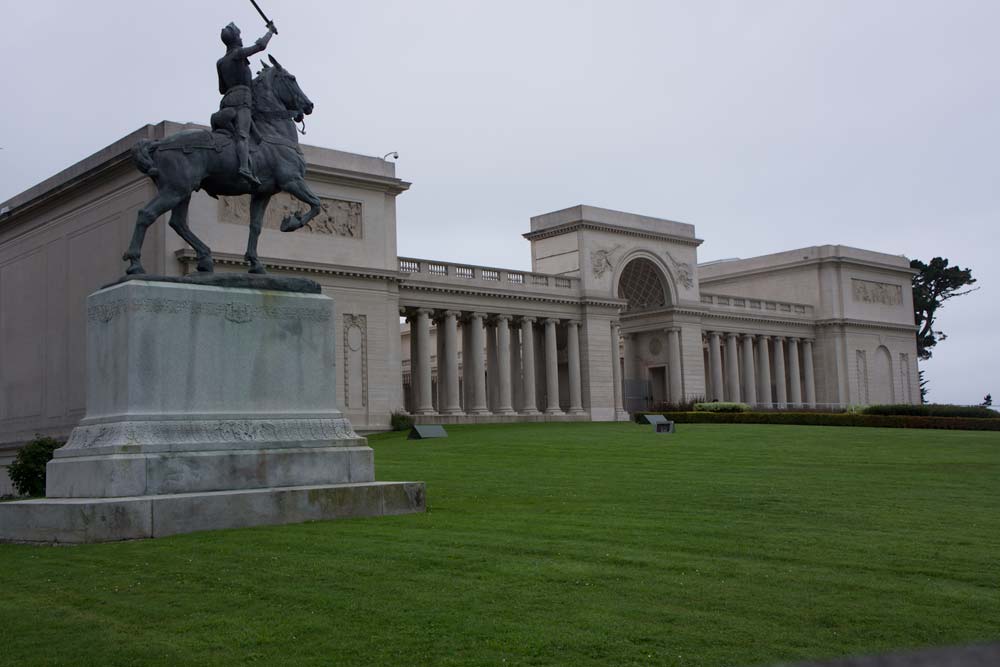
[552, 320]
[452, 313]
[528, 319]
[764, 337]
[748, 336]
[672, 329]
[808, 341]
[475, 316]
[503, 316]
[424, 311]
[779, 338]
[573, 323]
[793, 339]
[731, 334]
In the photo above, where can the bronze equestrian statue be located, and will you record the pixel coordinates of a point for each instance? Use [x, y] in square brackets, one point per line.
[256, 118]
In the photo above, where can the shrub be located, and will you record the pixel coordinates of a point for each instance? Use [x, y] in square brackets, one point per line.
[27, 472]
[933, 410]
[682, 406]
[721, 407]
[399, 421]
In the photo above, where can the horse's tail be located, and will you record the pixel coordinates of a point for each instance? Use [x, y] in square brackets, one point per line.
[143, 158]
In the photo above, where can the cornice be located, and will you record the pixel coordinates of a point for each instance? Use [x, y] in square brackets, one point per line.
[534, 297]
[56, 193]
[799, 263]
[188, 256]
[565, 228]
[356, 178]
[867, 324]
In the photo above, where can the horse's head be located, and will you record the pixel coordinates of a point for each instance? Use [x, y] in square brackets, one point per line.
[286, 89]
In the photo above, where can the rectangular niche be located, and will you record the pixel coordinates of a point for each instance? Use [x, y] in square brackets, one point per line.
[338, 217]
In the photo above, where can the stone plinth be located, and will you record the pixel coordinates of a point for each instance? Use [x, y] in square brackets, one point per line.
[207, 407]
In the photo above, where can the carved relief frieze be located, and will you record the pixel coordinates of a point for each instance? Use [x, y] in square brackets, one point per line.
[337, 218]
[862, 371]
[683, 270]
[904, 376]
[600, 260]
[868, 291]
[356, 358]
[655, 346]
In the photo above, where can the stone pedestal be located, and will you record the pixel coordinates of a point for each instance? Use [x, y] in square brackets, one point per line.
[207, 407]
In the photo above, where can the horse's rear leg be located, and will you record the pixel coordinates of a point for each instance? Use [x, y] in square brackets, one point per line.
[161, 203]
[179, 223]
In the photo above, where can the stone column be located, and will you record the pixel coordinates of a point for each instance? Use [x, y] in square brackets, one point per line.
[573, 365]
[504, 401]
[780, 387]
[448, 363]
[616, 370]
[807, 362]
[517, 385]
[492, 374]
[440, 391]
[477, 370]
[794, 379]
[425, 404]
[749, 376]
[674, 366]
[764, 376]
[732, 368]
[551, 369]
[411, 318]
[528, 366]
[628, 369]
[715, 365]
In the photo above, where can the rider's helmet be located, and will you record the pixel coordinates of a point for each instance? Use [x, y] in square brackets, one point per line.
[231, 35]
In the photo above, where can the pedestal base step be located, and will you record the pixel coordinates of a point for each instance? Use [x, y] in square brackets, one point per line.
[86, 520]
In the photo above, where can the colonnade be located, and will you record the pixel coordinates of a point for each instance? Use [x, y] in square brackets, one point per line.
[492, 366]
[770, 371]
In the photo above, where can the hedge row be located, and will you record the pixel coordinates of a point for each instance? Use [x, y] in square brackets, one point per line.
[933, 410]
[828, 419]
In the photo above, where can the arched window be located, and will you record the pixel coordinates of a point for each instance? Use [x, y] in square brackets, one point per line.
[642, 285]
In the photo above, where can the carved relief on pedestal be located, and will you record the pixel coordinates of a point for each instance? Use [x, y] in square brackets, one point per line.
[868, 291]
[355, 360]
[338, 217]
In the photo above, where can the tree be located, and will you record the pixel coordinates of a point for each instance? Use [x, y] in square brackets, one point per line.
[933, 284]
[987, 401]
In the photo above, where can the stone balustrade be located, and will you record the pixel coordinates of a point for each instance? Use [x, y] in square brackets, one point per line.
[486, 276]
[745, 305]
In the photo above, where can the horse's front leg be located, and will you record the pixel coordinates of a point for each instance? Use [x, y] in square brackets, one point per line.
[298, 189]
[258, 205]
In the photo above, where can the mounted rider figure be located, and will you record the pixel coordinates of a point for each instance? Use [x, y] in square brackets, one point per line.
[235, 79]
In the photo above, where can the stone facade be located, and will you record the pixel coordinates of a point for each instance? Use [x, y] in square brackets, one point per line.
[615, 314]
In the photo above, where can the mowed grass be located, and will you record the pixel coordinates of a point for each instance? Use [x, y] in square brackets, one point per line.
[575, 544]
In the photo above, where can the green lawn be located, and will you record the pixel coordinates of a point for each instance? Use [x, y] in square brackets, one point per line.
[576, 544]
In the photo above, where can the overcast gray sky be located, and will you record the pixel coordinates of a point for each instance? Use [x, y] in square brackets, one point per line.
[769, 125]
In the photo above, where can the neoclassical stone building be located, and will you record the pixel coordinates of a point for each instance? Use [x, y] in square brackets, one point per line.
[616, 313]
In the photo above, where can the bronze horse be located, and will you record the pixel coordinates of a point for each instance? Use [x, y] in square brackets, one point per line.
[206, 160]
